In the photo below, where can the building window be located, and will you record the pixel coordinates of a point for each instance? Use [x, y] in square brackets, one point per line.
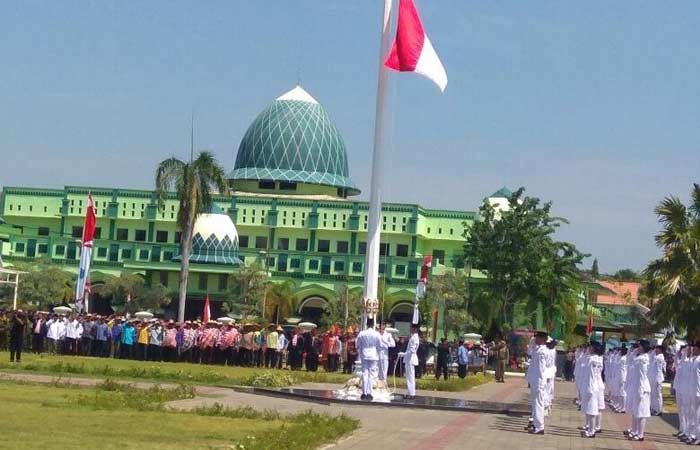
[339, 266]
[400, 269]
[140, 235]
[294, 263]
[439, 230]
[357, 267]
[362, 249]
[98, 233]
[101, 252]
[77, 232]
[60, 250]
[163, 277]
[384, 249]
[243, 241]
[261, 242]
[341, 247]
[266, 184]
[283, 244]
[126, 253]
[161, 236]
[223, 282]
[288, 186]
[167, 256]
[43, 231]
[178, 236]
[122, 234]
[382, 268]
[313, 264]
[401, 250]
[439, 255]
[202, 282]
[324, 246]
[43, 249]
[143, 254]
[428, 230]
[302, 245]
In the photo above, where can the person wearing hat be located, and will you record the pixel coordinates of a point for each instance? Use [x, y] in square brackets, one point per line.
[17, 327]
[657, 374]
[639, 391]
[271, 347]
[368, 344]
[536, 377]
[282, 343]
[410, 360]
[550, 373]
[592, 390]
[387, 343]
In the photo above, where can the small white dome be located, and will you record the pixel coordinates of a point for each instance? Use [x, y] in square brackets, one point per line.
[219, 225]
[214, 240]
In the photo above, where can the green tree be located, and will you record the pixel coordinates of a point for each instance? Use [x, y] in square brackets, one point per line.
[45, 284]
[674, 278]
[334, 310]
[448, 292]
[523, 262]
[119, 289]
[246, 290]
[278, 300]
[194, 183]
[626, 275]
[594, 268]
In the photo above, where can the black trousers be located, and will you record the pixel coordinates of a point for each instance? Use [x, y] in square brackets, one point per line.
[16, 349]
[441, 369]
[155, 352]
[462, 370]
[37, 343]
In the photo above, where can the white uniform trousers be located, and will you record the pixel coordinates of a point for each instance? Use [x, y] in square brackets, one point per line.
[383, 368]
[410, 370]
[369, 372]
[657, 401]
[537, 395]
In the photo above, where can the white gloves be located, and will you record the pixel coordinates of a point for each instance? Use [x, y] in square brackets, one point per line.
[401, 354]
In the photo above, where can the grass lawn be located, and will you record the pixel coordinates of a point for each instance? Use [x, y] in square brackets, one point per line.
[111, 416]
[62, 365]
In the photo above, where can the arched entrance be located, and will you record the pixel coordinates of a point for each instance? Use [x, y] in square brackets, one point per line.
[311, 308]
[401, 312]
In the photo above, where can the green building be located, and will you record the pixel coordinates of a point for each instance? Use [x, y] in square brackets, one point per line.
[294, 214]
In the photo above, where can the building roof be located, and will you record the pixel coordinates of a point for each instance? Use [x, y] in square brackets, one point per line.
[503, 192]
[294, 140]
[624, 293]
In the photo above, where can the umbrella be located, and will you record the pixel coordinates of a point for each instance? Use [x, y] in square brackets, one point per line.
[143, 315]
[62, 310]
[226, 320]
[250, 326]
[308, 325]
[472, 337]
[293, 320]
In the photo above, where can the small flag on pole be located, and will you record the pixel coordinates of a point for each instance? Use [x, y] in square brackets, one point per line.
[412, 50]
[206, 314]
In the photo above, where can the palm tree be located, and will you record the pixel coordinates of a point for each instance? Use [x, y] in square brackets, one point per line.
[194, 184]
[675, 277]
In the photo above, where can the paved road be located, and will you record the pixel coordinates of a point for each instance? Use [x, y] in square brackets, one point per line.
[407, 429]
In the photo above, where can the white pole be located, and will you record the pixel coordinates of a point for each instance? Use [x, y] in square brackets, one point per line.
[14, 300]
[375, 203]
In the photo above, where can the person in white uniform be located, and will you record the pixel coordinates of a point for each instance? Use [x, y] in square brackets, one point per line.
[593, 390]
[536, 377]
[410, 361]
[639, 390]
[386, 343]
[657, 373]
[550, 374]
[694, 391]
[680, 387]
[368, 344]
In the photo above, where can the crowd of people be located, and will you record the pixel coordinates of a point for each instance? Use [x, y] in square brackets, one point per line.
[213, 342]
[625, 380]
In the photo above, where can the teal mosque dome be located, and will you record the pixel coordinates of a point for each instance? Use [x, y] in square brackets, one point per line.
[294, 140]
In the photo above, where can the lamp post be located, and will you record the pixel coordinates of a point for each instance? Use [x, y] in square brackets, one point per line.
[468, 266]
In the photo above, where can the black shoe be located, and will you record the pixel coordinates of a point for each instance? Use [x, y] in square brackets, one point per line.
[536, 432]
[363, 397]
[369, 397]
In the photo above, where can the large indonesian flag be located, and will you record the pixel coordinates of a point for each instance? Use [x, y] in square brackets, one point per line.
[412, 50]
[85, 253]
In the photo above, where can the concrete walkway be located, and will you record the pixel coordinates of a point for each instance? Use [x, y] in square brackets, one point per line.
[398, 428]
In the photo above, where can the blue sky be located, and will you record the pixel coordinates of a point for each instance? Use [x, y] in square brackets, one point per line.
[593, 105]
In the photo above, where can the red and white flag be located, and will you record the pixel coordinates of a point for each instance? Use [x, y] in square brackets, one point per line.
[412, 50]
[85, 253]
[206, 314]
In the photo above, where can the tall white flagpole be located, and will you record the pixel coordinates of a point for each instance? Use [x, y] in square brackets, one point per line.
[375, 203]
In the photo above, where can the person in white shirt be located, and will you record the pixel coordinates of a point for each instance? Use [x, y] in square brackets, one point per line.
[639, 390]
[657, 373]
[536, 377]
[694, 390]
[410, 361]
[55, 334]
[386, 344]
[368, 344]
[550, 374]
[592, 390]
[74, 330]
[282, 343]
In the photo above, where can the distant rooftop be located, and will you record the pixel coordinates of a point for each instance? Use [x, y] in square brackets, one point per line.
[503, 192]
